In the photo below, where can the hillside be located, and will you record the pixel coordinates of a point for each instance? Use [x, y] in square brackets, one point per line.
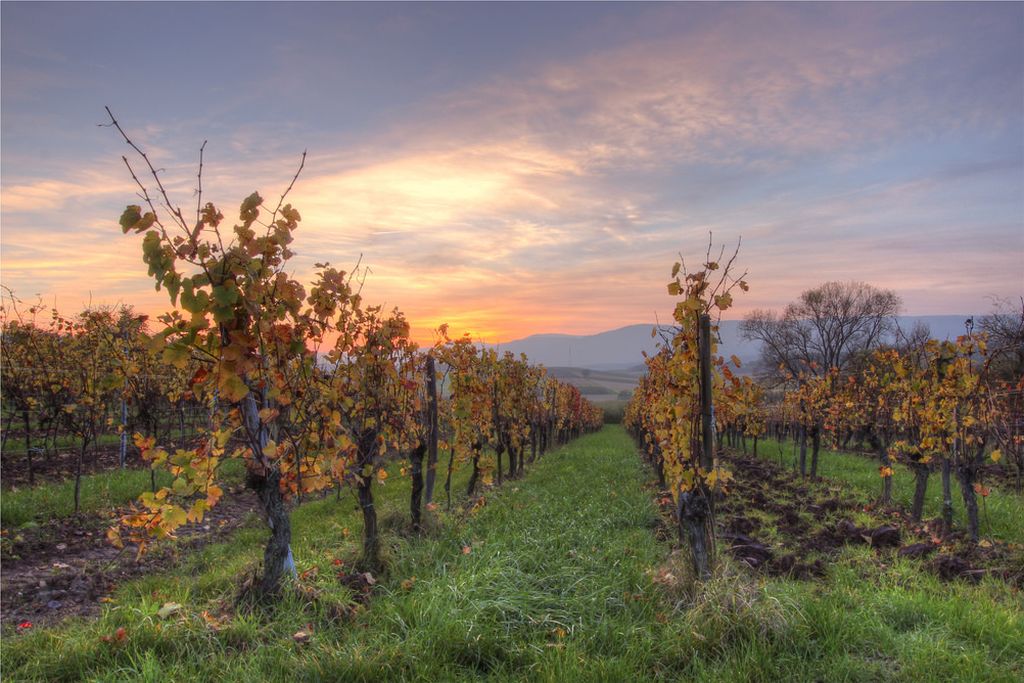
[621, 349]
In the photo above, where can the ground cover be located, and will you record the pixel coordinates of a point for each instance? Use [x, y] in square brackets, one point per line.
[568, 574]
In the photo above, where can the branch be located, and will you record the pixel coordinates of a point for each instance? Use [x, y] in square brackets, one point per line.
[175, 212]
[199, 193]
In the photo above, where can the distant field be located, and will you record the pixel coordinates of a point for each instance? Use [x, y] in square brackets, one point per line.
[600, 386]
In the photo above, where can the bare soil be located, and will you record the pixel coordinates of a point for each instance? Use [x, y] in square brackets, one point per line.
[68, 568]
[780, 525]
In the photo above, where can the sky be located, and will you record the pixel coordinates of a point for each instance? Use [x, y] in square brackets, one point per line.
[513, 169]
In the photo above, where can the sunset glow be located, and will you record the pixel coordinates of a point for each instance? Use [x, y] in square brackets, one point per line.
[517, 169]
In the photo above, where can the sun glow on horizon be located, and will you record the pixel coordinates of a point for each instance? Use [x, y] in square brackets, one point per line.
[545, 181]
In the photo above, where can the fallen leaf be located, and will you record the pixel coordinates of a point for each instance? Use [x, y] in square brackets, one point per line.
[168, 609]
[301, 636]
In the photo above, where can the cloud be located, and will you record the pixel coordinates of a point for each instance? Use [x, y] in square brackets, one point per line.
[840, 141]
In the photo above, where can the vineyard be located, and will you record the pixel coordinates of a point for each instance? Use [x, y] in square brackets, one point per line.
[273, 481]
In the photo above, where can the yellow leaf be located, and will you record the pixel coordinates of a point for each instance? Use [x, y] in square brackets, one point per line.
[196, 512]
[213, 494]
[996, 455]
[232, 388]
[173, 516]
[114, 536]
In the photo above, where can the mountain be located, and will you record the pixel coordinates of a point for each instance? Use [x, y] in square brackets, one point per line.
[620, 349]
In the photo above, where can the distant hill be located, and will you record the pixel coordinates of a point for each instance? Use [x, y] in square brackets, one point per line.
[614, 358]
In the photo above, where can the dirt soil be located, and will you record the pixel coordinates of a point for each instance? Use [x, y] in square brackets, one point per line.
[780, 525]
[68, 568]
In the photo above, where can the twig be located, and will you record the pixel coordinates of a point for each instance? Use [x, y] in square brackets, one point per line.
[175, 212]
[199, 192]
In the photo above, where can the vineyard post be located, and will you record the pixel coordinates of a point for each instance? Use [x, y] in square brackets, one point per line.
[947, 487]
[124, 431]
[432, 429]
[707, 460]
[695, 512]
[124, 416]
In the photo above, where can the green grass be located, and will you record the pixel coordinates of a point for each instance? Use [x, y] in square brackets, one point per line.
[559, 585]
[100, 492]
[15, 446]
[1001, 512]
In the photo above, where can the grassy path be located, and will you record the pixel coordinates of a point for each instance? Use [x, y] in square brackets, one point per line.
[553, 579]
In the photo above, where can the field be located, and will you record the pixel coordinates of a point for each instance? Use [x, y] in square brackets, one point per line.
[600, 386]
[570, 573]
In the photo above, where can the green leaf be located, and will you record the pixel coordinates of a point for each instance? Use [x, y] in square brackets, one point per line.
[132, 215]
[176, 355]
[226, 294]
[180, 487]
[134, 219]
[223, 314]
[172, 281]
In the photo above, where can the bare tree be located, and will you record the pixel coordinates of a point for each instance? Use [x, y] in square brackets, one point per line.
[825, 328]
[1005, 329]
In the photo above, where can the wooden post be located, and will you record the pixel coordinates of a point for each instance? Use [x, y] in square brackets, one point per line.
[695, 510]
[124, 432]
[432, 429]
[707, 458]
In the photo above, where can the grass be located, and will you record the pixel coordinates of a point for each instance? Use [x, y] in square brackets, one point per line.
[100, 492]
[563, 581]
[1001, 512]
[15, 446]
